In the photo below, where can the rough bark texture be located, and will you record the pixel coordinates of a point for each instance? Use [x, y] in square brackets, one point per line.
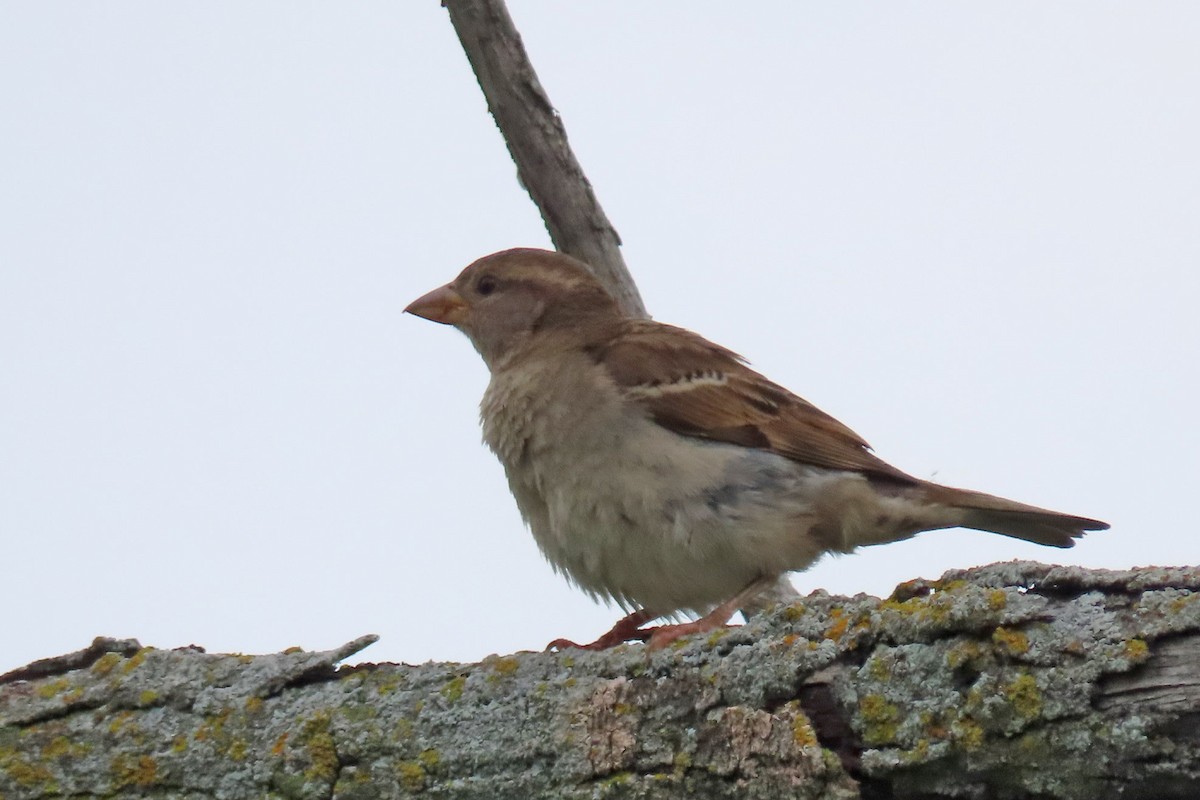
[1016, 680]
[537, 141]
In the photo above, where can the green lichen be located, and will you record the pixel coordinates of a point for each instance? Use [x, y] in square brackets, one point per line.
[1024, 695]
[254, 705]
[319, 745]
[48, 690]
[389, 684]
[505, 666]
[966, 653]
[878, 668]
[57, 747]
[429, 758]
[716, 636]
[880, 719]
[616, 779]
[147, 697]
[213, 727]
[360, 712]
[403, 729]
[453, 690]
[967, 733]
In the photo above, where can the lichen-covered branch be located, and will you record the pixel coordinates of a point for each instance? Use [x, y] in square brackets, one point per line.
[537, 141]
[1016, 680]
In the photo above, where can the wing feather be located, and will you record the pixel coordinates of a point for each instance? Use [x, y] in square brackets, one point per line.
[693, 387]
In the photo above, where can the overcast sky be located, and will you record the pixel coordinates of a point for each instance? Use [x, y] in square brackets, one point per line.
[971, 231]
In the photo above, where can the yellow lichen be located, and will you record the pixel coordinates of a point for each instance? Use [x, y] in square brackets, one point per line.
[130, 772]
[1010, 641]
[412, 775]
[1137, 650]
[919, 753]
[839, 625]
[794, 612]
[57, 747]
[119, 721]
[179, 744]
[135, 661]
[803, 734]
[997, 599]
[105, 663]
[147, 696]
[254, 705]
[29, 775]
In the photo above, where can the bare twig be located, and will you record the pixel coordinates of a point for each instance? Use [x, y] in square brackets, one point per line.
[537, 141]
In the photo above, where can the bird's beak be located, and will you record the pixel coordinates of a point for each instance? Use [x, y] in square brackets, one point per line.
[441, 305]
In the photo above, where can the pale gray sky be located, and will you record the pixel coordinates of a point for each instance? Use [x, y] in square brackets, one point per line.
[968, 230]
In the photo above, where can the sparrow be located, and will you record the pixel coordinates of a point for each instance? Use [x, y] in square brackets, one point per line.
[657, 470]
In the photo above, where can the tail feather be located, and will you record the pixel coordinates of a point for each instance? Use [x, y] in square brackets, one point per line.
[985, 512]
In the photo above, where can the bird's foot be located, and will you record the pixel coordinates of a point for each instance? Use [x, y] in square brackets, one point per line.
[716, 619]
[665, 635]
[627, 629]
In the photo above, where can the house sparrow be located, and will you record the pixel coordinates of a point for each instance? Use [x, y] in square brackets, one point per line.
[656, 469]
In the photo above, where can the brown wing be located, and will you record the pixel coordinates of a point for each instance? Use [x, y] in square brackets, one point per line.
[696, 388]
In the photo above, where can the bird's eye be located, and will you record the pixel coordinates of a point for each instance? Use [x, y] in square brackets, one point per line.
[486, 285]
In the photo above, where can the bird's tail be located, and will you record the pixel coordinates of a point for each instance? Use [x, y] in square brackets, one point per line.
[985, 512]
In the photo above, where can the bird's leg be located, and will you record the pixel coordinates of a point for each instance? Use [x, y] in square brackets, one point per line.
[663, 635]
[627, 629]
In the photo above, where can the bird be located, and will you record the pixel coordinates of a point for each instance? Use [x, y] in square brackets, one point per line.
[658, 470]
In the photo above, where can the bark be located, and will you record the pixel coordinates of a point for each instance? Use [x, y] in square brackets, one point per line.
[1017, 680]
[537, 140]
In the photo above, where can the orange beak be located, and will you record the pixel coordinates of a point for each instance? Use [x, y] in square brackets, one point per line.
[442, 305]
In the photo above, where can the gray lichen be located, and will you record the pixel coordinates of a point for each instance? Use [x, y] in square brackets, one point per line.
[1015, 680]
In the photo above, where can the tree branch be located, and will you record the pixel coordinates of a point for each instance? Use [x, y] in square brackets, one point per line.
[1017, 680]
[537, 140]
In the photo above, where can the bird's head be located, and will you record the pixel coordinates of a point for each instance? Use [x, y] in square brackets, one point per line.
[507, 300]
